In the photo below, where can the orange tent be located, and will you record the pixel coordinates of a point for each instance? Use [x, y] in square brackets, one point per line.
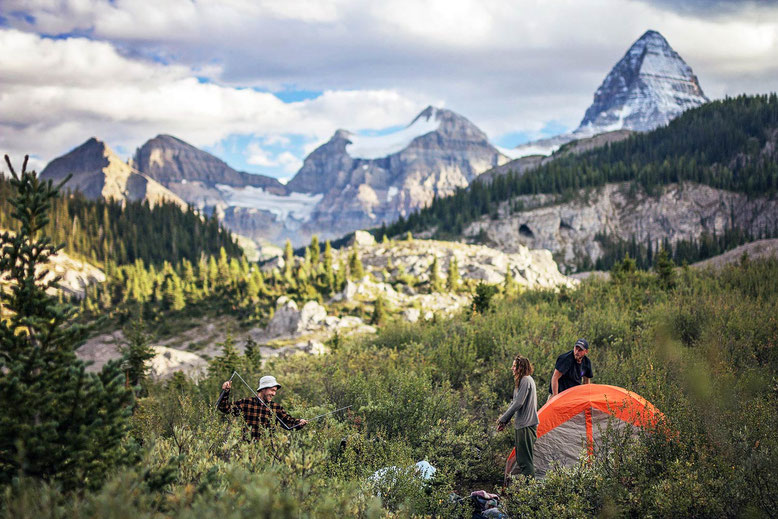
[577, 418]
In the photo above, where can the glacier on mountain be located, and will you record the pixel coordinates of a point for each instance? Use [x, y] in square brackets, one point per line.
[298, 206]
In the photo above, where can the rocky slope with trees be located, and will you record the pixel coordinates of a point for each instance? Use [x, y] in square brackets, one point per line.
[713, 170]
[298, 303]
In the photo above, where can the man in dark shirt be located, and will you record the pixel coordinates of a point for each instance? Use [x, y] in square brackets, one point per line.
[572, 369]
[260, 411]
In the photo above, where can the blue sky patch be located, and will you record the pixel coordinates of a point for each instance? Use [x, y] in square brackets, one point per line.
[384, 131]
[511, 139]
[293, 96]
[237, 151]
[21, 15]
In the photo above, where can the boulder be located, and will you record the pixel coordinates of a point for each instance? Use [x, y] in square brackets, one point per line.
[312, 315]
[167, 361]
[286, 318]
[411, 315]
[362, 239]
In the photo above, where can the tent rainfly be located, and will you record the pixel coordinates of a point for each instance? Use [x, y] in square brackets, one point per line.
[578, 418]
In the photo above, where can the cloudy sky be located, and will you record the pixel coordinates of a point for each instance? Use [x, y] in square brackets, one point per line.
[260, 83]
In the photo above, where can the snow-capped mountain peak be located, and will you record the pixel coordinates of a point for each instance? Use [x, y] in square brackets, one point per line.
[647, 88]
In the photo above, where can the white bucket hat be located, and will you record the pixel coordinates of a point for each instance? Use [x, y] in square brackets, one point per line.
[268, 381]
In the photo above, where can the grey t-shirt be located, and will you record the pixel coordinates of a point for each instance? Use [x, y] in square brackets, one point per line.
[524, 404]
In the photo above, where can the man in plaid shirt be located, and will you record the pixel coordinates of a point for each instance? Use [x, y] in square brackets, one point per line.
[256, 413]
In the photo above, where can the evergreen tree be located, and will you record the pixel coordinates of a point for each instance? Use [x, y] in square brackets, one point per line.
[624, 270]
[136, 352]
[510, 282]
[213, 272]
[452, 279]
[340, 276]
[230, 360]
[355, 265]
[288, 260]
[665, 269]
[436, 283]
[482, 300]
[315, 250]
[223, 269]
[329, 274]
[379, 311]
[59, 423]
[253, 354]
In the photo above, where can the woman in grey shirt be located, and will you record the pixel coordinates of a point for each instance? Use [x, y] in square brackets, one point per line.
[525, 407]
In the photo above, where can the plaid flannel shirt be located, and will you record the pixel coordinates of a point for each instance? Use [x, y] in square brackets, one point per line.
[256, 414]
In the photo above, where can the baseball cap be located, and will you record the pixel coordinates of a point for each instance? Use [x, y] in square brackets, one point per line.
[582, 343]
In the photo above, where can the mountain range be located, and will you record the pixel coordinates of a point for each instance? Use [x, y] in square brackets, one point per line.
[354, 181]
[99, 173]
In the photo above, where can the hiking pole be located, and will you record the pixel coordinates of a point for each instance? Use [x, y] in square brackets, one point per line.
[221, 395]
[331, 412]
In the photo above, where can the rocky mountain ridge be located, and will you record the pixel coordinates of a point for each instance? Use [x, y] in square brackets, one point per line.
[647, 88]
[569, 230]
[523, 164]
[175, 164]
[350, 182]
[366, 181]
[99, 173]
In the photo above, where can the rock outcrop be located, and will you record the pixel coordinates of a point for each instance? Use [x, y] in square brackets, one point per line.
[569, 230]
[75, 275]
[99, 173]
[529, 268]
[289, 320]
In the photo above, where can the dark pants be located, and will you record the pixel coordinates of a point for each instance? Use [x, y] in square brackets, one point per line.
[525, 450]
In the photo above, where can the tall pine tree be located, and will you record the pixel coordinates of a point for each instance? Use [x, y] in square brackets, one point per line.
[59, 423]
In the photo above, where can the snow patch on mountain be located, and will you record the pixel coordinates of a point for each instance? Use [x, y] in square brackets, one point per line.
[391, 193]
[298, 206]
[378, 146]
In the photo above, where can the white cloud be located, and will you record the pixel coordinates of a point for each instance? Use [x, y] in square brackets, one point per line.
[276, 140]
[507, 65]
[257, 156]
[289, 162]
[126, 101]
